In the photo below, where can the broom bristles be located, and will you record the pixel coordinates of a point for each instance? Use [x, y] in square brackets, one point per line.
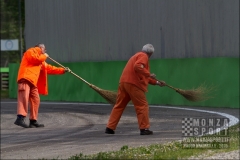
[199, 94]
[109, 96]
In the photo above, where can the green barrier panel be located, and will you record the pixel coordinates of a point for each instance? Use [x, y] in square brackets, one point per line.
[223, 73]
[12, 83]
[4, 69]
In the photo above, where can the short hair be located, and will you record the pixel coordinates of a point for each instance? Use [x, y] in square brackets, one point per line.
[148, 48]
[39, 45]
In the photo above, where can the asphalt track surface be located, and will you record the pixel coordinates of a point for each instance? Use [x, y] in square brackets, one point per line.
[74, 128]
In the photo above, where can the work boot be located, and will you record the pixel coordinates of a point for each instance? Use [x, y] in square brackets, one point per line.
[109, 131]
[145, 132]
[20, 122]
[35, 124]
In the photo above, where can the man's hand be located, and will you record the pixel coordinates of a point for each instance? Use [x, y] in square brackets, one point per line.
[46, 54]
[152, 75]
[161, 83]
[67, 69]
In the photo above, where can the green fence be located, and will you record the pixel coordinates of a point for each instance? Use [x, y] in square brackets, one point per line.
[223, 73]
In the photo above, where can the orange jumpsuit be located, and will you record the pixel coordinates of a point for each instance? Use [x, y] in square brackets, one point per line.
[32, 81]
[132, 86]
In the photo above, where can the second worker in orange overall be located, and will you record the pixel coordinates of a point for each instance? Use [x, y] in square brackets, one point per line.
[132, 86]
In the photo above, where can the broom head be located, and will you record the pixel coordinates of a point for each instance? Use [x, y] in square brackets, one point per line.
[109, 96]
[199, 94]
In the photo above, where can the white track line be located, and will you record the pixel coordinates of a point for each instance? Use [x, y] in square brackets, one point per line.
[232, 119]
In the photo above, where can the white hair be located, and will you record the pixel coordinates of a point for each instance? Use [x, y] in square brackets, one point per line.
[148, 48]
[40, 45]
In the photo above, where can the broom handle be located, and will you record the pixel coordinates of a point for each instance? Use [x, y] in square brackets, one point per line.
[171, 87]
[71, 72]
[168, 85]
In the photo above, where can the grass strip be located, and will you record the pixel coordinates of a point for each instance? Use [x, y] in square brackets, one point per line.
[171, 150]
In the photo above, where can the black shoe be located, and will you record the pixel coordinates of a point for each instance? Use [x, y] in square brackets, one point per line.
[20, 122]
[35, 124]
[109, 131]
[145, 132]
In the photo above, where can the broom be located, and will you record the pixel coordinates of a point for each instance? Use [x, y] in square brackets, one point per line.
[197, 94]
[109, 96]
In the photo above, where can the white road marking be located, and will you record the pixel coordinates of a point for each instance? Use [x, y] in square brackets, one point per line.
[232, 119]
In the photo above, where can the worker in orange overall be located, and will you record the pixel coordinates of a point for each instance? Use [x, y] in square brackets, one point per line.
[132, 86]
[32, 81]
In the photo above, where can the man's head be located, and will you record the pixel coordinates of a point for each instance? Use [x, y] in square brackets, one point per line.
[42, 47]
[149, 49]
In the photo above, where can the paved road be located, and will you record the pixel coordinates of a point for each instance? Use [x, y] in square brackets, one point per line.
[73, 128]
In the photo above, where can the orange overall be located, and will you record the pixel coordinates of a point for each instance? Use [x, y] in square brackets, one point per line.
[32, 81]
[133, 85]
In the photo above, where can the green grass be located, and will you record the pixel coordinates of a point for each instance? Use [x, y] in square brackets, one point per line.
[171, 150]
[4, 94]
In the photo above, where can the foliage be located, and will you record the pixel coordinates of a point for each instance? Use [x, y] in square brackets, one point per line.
[4, 94]
[10, 27]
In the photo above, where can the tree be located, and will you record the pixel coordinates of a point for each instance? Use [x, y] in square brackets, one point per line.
[10, 28]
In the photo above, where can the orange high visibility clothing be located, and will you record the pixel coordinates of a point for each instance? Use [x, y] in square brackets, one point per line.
[127, 92]
[34, 69]
[28, 93]
[137, 72]
[133, 85]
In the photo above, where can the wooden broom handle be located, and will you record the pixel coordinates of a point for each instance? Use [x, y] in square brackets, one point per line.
[71, 71]
[168, 85]
[172, 87]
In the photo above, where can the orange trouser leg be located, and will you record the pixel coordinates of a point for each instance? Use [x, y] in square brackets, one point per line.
[139, 100]
[23, 96]
[34, 103]
[121, 103]
[28, 92]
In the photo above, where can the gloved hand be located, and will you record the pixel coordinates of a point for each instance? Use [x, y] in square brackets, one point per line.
[46, 54]
[161, 83]
[67, 69]
[152, 75]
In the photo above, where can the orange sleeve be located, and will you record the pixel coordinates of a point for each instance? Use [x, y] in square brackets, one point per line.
[152, 81]
[54, 70]
[140, 65]
[34, 57]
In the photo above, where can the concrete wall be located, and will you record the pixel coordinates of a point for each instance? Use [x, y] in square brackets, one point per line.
[107, 30]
